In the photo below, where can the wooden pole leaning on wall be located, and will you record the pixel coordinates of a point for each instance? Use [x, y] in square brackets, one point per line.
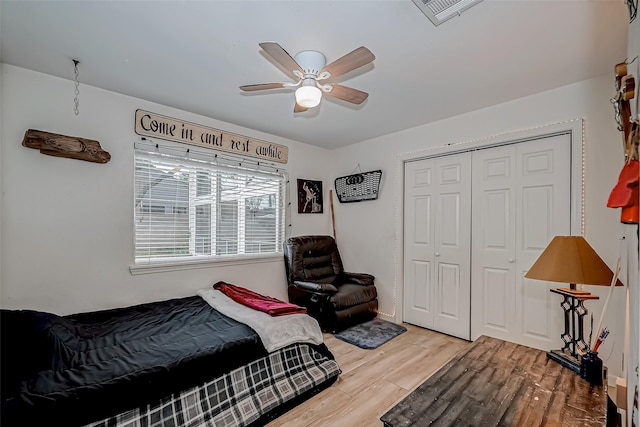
[53, 144]
[333, 219]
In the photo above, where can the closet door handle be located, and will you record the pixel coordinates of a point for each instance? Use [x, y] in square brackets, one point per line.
[511, 260]
[437, 254]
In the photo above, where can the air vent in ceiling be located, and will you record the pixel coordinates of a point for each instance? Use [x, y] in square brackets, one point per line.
[439, 11]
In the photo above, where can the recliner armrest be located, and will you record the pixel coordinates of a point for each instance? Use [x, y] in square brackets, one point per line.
[363, 279]
[326, 288]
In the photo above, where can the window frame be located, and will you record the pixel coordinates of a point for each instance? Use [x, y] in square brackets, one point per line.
[216, 166]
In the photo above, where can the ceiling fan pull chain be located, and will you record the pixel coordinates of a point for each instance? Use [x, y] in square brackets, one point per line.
[76, 102]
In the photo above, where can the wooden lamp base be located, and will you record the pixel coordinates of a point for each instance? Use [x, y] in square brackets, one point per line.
[573, 291]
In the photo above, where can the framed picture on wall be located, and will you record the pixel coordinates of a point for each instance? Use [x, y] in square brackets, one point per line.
[309, 196]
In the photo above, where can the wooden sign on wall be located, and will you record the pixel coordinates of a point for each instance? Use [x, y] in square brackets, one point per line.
[163, 127]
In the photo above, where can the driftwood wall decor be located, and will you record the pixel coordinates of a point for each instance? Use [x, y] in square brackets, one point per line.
[72, 147]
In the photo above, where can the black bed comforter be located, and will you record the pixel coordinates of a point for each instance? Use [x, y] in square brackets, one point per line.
[75, 369]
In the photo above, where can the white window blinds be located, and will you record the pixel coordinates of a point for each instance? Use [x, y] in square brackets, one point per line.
[190, 209]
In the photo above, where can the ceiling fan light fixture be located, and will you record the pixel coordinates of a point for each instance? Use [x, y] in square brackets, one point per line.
[308, 96]
[308, 67]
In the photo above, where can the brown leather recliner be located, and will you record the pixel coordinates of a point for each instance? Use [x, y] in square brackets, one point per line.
[317, 281]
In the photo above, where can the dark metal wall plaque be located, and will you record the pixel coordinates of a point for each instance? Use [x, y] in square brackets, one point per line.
[358, 187]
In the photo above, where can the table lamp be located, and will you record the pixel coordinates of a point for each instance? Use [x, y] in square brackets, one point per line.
[570, 259]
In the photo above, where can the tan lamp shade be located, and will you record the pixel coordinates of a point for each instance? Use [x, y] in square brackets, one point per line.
[570, 259]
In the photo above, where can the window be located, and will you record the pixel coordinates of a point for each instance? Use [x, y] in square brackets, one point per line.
[187, 210]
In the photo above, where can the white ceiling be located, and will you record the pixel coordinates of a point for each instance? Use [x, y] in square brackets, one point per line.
[195, 55]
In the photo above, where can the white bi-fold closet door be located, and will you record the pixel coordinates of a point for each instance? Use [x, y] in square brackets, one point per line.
[521, 200]
[510, 202]
[437, 224]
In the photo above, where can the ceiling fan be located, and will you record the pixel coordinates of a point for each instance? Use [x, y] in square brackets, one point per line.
[309, 68]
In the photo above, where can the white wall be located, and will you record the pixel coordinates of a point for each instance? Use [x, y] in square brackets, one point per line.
[67, 240]
[633, 50]
[366, 225]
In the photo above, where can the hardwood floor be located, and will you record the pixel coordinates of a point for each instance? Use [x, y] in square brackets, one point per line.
[373, 381]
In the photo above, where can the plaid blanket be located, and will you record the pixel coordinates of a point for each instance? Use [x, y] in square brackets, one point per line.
[239, 397]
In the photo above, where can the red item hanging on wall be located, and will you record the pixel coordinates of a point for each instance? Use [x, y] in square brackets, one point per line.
[626, 193]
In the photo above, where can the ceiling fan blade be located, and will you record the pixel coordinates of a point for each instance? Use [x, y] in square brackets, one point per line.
[299, 109]
[352, 60]
[249, 88]
[278, 54]
[348, 94]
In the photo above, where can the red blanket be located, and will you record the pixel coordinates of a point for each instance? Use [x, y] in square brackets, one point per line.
[269, 305]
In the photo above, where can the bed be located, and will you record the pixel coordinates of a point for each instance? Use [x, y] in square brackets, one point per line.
[178, 362]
